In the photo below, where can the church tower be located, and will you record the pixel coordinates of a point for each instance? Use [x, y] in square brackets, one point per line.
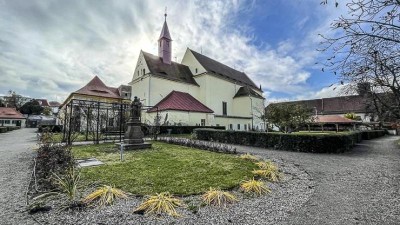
[164, 43]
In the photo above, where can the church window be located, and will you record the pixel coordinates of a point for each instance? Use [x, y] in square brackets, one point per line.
[238, 127]
[245, 127]
[144, 71]
[138, 72]
[196, 70]
[224, 111]
[203, 122]
[230, 127]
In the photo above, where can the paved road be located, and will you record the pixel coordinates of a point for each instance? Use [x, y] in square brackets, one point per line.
[357, 187]
[15, 162]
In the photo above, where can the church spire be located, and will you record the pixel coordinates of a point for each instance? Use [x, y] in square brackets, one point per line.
[164, 42]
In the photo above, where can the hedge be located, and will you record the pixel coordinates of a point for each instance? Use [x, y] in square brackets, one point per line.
[6, 129]
[52, 128]
[371, 134]
[180, 129]
[332, 143]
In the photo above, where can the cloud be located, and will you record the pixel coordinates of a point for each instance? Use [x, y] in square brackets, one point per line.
[51, 48]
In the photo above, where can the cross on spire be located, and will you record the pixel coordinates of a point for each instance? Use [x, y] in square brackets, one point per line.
[165, 14]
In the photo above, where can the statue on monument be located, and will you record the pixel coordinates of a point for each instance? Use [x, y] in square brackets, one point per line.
[136, 108]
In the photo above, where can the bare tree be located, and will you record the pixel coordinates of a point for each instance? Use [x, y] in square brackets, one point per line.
[367, 51]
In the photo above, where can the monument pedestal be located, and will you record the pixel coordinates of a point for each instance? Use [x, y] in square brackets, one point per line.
[133, 137]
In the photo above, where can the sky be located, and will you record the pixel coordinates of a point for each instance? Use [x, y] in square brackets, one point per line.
[50, 48]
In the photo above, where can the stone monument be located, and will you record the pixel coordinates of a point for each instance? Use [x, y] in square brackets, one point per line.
[133, 137]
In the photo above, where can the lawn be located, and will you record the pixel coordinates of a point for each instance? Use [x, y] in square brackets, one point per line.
[176, 169]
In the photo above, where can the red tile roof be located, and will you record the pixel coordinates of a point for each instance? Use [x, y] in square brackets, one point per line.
[96, 87]
[333, 119]
[10, 113]
[42, 102]
[54, 104]
[181, 101]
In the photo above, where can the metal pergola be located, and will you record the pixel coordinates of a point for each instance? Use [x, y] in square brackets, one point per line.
[98, 119]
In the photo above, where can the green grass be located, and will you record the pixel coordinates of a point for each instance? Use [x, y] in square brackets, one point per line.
[165, 168]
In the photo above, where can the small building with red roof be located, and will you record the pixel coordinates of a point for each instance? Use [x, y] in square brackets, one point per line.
[181, 108]
[11, 117]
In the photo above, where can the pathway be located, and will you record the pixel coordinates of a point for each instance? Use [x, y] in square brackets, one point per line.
[357, 187]
[15, 162]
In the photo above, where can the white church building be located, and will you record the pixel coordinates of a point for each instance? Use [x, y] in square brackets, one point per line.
[197, 91]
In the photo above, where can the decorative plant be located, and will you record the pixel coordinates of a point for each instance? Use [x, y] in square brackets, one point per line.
[68, 183]
[254, 186]
[218, 198]
[160, 203]
[249, 157]
[268, 170]
[104, 196]
[267, 165]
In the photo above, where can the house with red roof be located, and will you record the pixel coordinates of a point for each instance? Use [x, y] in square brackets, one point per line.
[94, 91]
[11, 117]
[197, 91]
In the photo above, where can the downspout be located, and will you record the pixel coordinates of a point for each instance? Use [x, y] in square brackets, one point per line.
[251, 111]
[149, 89]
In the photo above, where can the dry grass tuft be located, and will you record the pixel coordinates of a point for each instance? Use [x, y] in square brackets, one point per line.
[160, 203]
[104, 196]
[269, 171]
[254, 186]
[218, 198]
[249, 157]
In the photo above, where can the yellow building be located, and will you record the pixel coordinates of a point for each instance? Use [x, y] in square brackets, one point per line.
[94, 106]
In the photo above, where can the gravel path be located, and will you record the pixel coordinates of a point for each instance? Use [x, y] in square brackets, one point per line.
[357, 187]
[15, 168]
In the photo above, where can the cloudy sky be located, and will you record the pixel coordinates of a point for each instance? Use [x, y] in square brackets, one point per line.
[49, 48]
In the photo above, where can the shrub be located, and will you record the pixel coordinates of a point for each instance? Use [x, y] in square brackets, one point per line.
[333, 143]
[104, 196]
[160, 203]
[218, 198]
[254, 186]
[52, 159]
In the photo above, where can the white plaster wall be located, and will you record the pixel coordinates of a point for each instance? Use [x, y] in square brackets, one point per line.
[11, 124]
[182, 118]
[190, 61]
[140, 65]
[226, 121]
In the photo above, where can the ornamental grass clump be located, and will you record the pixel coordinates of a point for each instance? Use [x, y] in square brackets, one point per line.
[269, 171]
[105, 195]
[249, 157]
[159, 204]
[254, 186]
[218, 198]
[68, 183]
